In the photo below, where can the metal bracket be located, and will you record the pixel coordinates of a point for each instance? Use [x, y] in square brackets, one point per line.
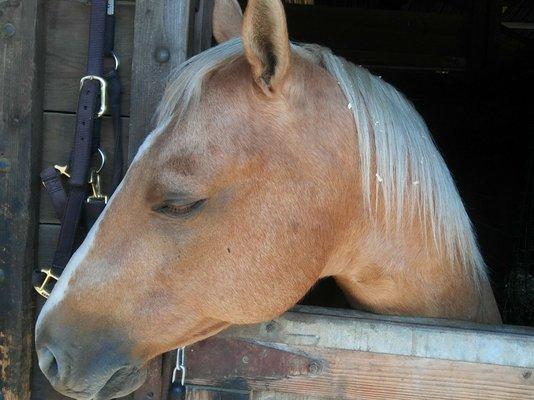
[41, 289]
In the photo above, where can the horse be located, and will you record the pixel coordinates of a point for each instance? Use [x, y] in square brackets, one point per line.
[272, 165]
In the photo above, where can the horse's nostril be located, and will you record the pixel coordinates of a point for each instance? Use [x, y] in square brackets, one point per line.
[48, 364]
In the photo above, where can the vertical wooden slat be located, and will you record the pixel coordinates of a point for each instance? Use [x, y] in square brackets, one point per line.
[162, 37]
[21, 86]
[202, 32]
[162, 41]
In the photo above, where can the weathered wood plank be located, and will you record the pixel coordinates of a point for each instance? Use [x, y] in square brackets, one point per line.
[363, 375]
[194, 393]
[202, 33]
[418, 337]
[355, 356]
[21, 88]
[267, 395]
[48, 234]
[67, 30]
[58, 134]
[162, 38]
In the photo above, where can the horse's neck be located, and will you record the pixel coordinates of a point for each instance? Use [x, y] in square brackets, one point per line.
[393, 274]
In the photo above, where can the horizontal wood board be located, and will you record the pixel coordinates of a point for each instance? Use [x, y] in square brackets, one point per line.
[356, 355]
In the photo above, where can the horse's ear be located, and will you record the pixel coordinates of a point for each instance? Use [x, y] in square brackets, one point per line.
[266, 43]
[227, 20]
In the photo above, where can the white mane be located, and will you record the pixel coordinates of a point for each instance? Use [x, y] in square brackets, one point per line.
[402, 171]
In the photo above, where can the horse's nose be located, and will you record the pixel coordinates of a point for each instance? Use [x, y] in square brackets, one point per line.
[86, 364]
[55, 361]
[49, 365]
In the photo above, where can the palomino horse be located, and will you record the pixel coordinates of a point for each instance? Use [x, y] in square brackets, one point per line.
[272, 166]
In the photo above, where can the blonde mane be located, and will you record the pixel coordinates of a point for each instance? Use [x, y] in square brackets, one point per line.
[401, 170]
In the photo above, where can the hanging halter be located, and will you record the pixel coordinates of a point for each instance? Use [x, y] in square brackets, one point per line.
[75, 189]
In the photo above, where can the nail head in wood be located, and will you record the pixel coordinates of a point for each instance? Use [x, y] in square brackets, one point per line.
[162, 55]
[8, 30]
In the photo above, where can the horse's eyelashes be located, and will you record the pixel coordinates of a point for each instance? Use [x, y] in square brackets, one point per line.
[175, 209]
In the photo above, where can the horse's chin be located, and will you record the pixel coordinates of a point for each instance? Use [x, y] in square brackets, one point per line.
[122, 384]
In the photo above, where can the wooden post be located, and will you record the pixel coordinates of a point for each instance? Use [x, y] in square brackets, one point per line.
[162, 41]
[20, 130]
[202, 32]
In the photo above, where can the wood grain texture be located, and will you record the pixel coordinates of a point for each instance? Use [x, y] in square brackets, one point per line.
[58, 134]
[202, 31]
[21, 89]
[268, 395]
[159, 26]
[359, 356]
[418, 337]
[362, 375]
[194, 393]
[67, 30]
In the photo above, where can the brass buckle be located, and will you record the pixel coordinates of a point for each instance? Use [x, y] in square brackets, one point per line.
[103, 91]
[42, 288]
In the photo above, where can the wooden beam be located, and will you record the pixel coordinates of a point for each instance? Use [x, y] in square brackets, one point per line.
[162, 41]
[346, 354]
[21, 82]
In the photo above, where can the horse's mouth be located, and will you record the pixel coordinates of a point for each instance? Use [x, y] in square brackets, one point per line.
[121, 383]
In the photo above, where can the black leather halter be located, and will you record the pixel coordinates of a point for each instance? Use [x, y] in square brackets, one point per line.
[72, 202]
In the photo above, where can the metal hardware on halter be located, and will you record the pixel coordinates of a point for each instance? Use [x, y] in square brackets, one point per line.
[62, 169]
[102, 160]
[103, 91]
[180, 366]
[110, 8]
[116, 59]
[41, 289]
[96, 188]
[95, 182]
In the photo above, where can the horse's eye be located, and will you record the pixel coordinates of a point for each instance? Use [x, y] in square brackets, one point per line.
[174, 209]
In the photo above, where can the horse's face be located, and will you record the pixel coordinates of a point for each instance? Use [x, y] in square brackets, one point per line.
[226, 217]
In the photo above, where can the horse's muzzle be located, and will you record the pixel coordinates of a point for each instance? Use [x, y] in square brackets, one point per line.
[95, 368]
